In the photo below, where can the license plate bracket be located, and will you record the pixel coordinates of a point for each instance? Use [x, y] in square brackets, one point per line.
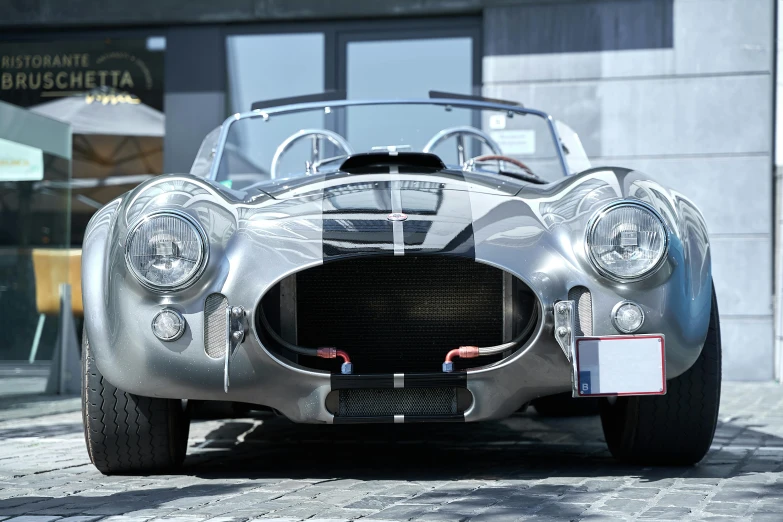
[619, 365]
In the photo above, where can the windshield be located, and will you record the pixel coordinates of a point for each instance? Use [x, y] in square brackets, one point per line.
[302, 140]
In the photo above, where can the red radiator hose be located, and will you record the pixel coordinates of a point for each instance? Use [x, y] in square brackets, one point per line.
[463, 352]
[333, 353]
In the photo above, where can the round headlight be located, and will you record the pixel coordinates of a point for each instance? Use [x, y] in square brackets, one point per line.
[627, 241]
[166, 251]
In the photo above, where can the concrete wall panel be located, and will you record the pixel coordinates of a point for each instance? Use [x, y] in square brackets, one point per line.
[709, 37]
[733, 193]
[677, 116]
[742, 271]
[747, 349]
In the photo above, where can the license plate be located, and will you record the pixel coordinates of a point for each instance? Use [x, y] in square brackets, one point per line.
[620, 365]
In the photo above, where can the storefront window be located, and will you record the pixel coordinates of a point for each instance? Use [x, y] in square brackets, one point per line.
[35, 200]
[106, 96]
[111, 93]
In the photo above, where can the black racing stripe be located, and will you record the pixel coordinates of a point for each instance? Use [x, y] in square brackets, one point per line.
[386, 419]
[412, 419]
[440, 220]
[349, 382]
[355, 219]
[463, 244]
[436, 380]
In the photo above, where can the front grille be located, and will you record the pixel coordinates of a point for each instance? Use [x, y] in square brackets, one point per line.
[399, 314]
[397, 401]
[215, 325]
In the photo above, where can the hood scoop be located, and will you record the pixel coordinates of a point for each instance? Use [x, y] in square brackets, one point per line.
[372, 162]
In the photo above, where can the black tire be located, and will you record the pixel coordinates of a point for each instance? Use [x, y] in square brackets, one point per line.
[563, 405]
[675, 429]
[127, 433]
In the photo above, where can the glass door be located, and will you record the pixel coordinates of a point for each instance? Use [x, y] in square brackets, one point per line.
[405, 64]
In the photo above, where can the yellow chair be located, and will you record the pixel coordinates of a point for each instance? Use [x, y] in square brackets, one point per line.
[53, 267]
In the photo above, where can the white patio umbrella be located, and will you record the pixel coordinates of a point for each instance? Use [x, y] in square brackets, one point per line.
[116, 138]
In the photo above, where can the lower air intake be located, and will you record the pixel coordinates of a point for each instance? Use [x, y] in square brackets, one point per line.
[397, 401]
[215, 325]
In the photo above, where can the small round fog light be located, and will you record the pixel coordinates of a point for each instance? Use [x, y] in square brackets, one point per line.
[168, 325]
[627, 317]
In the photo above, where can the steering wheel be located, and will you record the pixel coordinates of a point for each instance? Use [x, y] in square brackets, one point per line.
[315, 152]
[499, 158]
[460, 132]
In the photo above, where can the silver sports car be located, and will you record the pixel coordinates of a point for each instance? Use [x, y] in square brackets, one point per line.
[447, 259]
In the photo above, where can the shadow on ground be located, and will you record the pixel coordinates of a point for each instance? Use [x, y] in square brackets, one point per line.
[524, 446]
[404, 460]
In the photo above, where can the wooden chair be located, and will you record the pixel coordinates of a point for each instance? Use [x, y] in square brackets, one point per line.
[52, 268]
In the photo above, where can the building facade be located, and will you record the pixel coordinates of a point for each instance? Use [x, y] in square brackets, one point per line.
[681, 89]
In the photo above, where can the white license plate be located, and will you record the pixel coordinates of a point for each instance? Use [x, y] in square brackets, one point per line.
[620, 365]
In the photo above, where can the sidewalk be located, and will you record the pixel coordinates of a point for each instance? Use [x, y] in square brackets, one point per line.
[520, 468]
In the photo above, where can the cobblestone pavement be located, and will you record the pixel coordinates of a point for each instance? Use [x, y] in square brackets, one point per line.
[520, 468]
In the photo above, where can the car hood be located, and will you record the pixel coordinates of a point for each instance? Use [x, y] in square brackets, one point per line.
[369, 180]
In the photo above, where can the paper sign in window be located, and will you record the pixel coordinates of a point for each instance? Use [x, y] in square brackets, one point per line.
[515, 142]
[20, 162]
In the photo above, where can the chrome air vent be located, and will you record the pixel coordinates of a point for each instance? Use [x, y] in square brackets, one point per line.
[215, 325]
[583, 302]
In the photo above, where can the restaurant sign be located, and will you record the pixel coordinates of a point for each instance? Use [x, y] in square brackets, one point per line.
[34, 72]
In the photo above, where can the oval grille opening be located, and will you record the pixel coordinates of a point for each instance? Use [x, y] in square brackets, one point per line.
[399, 314]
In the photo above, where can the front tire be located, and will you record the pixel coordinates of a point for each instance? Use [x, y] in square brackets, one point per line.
[673, 429]
[127, 433]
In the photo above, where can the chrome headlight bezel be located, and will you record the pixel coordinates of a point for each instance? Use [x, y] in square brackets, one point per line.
[201, 262]
[596, 218]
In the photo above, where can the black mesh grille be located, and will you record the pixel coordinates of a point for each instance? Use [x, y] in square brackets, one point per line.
[399, 314]
[397, 401]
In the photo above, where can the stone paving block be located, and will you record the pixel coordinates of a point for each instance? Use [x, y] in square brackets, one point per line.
[127, 518]
[343, 513]
[624, 506]
[681, 500]
[436, 496]
[561, 510]
[637, 493]
[63, 511]
[728, 494]
[179, 518]
[401, 512]
[727, 508]
[765, 517]
[299, 510]
[374, 502]
[578, 497]
[499, 515]
[666, 513]
[33, 518]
